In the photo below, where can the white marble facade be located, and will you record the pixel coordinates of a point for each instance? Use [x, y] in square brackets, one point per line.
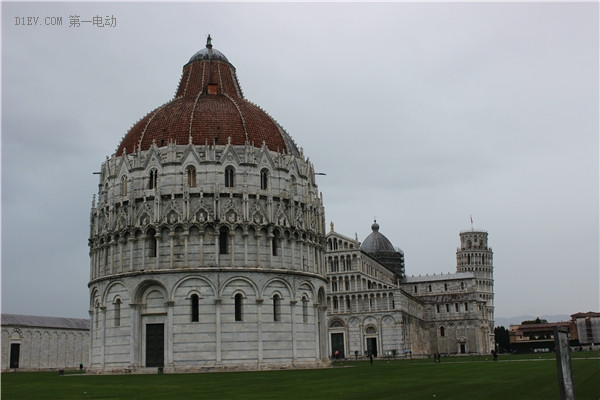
[31, 343]
[207, 238]
[151, 253]
[372, 310]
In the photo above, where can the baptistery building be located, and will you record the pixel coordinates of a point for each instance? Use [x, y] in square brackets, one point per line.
[207, 238]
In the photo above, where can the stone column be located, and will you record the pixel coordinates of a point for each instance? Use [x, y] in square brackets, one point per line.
[218, 331]
[171, 244]
[202, 248]
[91, 344]
[112, 256]
[185, 248]
[270, 238]
[259, 303]
[293, 329]
[282, 250]
[217, 247]
[245, 235]
[301, 255]
[308, 256]
[157, 238]
[121, 241]
[92, 263]
[317, 332]
[169, 335]
[293, 253]
[102, 330]
[231, 238]
[131, 240]
[258, 236]
[361, 330]
[323, 331]
[134, 344]
[144, 237]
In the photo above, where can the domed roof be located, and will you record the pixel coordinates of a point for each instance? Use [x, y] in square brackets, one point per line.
[208, 53]
[376, 242]
[209, 108]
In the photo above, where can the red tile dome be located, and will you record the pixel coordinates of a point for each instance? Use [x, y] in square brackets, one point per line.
[209, 108]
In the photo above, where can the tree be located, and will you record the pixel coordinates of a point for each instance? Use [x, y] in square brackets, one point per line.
[502, 339]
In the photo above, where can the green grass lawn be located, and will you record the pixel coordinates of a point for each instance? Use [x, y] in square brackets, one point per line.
[512, 377]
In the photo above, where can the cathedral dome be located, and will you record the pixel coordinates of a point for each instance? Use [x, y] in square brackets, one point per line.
[209, 108]
[380, 248]
[376, 242]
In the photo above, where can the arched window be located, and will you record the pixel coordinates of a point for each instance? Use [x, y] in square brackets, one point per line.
[442, 331]
[195, 311]
[124, 186]
[223, 240]
[304, 309]
[229, 177]
[294, 185]
[264, 179]
[105, 250]
[191, 176]
[117, 312]
[274, 243]
[151, 244]
[276, 308]
[239, 303]
[153, 179]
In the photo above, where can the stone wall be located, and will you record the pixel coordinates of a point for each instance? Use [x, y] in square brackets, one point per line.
[45, 348]
[261, 336]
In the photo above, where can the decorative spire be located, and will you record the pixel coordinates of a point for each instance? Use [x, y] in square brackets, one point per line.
[208, 42]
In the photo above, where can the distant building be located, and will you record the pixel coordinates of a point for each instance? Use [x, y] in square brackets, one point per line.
[374, 308]
[538, 335]
[31, 343]
[588, 327]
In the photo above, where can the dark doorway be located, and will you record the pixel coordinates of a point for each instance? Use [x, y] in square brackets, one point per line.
[462, 348]
[15, 349]
[155, 345]
[372, 346]
[337, 344]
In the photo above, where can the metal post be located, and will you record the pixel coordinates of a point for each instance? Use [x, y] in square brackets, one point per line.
[563, 363]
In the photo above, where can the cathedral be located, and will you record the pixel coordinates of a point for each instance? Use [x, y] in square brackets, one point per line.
[374, 308]
[209, 250]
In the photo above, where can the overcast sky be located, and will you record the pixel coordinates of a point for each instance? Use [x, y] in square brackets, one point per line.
[420, 115]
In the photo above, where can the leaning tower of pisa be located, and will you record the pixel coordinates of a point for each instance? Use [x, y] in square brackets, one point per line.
[474, 255]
